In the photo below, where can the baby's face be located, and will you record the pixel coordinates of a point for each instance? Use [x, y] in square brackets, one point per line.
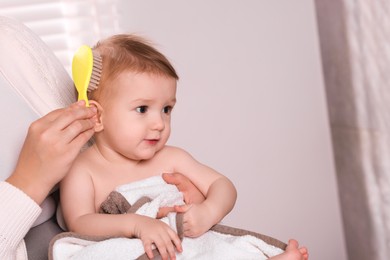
[137, 116]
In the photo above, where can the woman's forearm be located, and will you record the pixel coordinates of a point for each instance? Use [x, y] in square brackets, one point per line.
[37, 189]
[18, 213]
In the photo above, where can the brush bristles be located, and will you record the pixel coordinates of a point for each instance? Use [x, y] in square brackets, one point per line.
[96, 71]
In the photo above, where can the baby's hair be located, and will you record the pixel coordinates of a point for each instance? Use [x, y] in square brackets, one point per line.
[128, 52]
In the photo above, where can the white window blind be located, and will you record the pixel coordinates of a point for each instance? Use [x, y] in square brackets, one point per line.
[65, 24]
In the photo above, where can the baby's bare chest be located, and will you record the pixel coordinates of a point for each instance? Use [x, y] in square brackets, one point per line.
[106, 179]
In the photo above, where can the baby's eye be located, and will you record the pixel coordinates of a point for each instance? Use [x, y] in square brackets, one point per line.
[141, 109]
[167, 109]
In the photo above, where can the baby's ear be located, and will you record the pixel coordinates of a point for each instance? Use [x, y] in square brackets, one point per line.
[99, 124]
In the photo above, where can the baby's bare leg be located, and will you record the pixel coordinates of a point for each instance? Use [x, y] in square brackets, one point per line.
[293, 252]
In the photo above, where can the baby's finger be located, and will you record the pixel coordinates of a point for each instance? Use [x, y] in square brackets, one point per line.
[169, 250]
[177, 242]
[148, 249]
[162, 249]
[172, 253]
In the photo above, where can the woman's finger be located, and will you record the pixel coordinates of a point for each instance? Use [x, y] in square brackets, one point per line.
[53, 115]
[183, 208]
[173, 178]
[78, 142]
[71, 114]
[76, 128]
[163, 212]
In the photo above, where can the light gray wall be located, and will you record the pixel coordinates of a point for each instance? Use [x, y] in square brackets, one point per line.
[251, 104]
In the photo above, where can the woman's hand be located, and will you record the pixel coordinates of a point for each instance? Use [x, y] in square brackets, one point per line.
[152, 231]
[51, 146]
[190, 191]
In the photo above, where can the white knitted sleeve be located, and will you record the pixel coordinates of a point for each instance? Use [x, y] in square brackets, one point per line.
[17, 214]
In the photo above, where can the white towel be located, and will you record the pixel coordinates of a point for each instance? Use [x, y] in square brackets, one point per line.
[211, 245]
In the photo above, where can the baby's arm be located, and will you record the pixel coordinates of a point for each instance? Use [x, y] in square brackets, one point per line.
[219, 191]
[77, 202]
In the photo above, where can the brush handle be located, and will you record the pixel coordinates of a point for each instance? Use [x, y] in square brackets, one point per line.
[83, 96]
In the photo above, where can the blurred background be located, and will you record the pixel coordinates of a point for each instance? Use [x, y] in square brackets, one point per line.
[289, 99]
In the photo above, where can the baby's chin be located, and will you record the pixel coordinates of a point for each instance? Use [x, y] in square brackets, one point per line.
[146, 155]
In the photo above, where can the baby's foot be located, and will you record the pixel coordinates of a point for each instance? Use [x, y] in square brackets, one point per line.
[293, 252]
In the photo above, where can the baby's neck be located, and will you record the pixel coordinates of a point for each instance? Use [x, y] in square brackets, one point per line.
[113, 157]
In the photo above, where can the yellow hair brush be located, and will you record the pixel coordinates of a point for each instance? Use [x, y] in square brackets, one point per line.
[86, 71]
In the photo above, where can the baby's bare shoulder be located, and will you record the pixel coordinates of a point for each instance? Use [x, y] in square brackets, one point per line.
[174, 151]
[175, 156]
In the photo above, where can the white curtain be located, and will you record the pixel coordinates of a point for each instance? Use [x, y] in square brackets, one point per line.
[65, 24]
[355, 46]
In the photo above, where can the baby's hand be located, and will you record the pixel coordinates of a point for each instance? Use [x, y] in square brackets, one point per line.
[196, 219]
[153, 231]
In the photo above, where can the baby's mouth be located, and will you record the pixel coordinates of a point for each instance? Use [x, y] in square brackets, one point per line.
[152, 141]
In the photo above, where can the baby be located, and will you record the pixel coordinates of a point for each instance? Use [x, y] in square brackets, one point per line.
[134, 100]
